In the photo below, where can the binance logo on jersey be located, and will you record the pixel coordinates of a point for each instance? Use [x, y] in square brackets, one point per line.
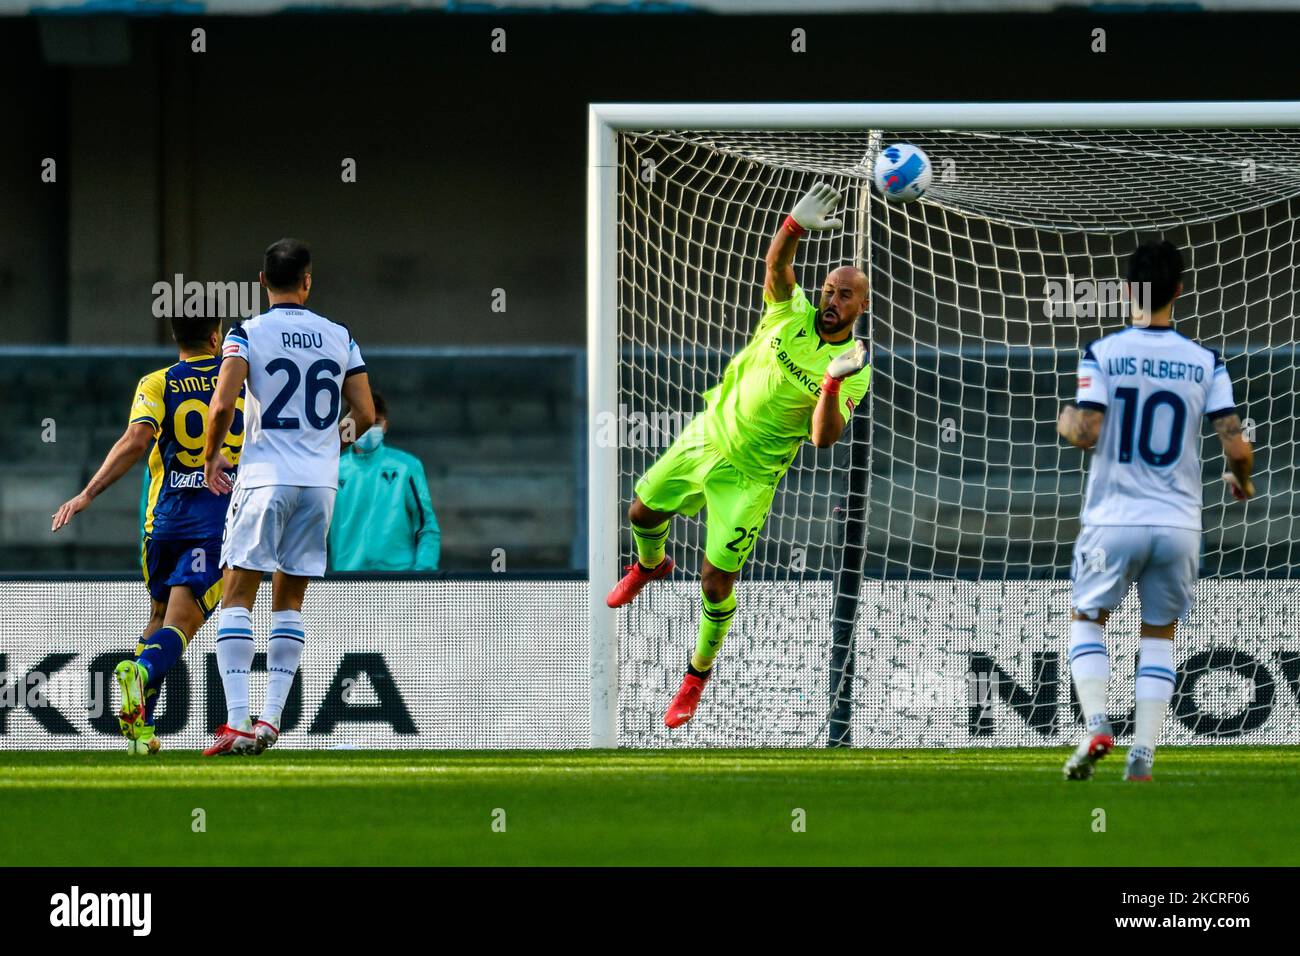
[794, 372]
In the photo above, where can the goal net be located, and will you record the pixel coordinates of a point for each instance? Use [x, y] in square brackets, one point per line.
[911, 585]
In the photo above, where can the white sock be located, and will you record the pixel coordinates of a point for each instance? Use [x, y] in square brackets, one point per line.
[1090, 667]
[283, 653]
[1154, 689]
[235, 662]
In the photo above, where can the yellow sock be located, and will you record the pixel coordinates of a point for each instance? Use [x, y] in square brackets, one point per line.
[715, 620]
[651, 544]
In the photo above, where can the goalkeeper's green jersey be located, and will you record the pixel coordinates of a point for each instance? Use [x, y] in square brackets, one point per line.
[761, 411]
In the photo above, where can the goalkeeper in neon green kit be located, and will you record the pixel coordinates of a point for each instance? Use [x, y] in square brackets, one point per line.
[797, 380]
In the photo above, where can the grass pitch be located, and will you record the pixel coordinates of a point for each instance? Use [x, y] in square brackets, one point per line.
[1208, 806]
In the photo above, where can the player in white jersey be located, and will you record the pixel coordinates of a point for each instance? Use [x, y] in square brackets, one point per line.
[1141, 395]
[299, 366]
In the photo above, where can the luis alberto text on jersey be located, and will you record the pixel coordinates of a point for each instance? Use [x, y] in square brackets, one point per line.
[1154, 386]
[297, 361]
[761, 411]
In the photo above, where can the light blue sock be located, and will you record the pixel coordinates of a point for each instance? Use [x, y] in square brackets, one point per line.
[1154, 688]
[235, 662]
[283, 653]
[1090, 668]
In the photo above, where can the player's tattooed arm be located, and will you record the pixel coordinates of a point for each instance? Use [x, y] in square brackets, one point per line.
[813, 212]
[1239, 455]
[1081, 427]
[221, 414]
[128, 449]
[361, 408]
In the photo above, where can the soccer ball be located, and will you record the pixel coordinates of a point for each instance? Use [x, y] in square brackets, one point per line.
[146, 748]
[902, 172]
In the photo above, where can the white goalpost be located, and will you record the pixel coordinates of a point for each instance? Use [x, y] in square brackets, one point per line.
[911, 586]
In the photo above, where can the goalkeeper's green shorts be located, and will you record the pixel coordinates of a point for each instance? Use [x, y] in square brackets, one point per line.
[692, 474]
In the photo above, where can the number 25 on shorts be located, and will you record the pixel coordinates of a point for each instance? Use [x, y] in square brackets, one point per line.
[743, 541]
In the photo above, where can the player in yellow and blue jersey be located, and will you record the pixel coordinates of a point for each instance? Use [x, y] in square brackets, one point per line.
[183, 521]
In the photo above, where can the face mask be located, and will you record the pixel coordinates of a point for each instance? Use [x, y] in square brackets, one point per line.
[370, 439]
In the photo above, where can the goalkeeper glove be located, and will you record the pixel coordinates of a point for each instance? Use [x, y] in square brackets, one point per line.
[842, 366]
[812, 212]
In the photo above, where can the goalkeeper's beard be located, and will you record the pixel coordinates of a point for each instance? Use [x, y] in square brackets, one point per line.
[839, 322]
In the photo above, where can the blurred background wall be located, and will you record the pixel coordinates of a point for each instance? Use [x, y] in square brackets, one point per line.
[457, 256]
